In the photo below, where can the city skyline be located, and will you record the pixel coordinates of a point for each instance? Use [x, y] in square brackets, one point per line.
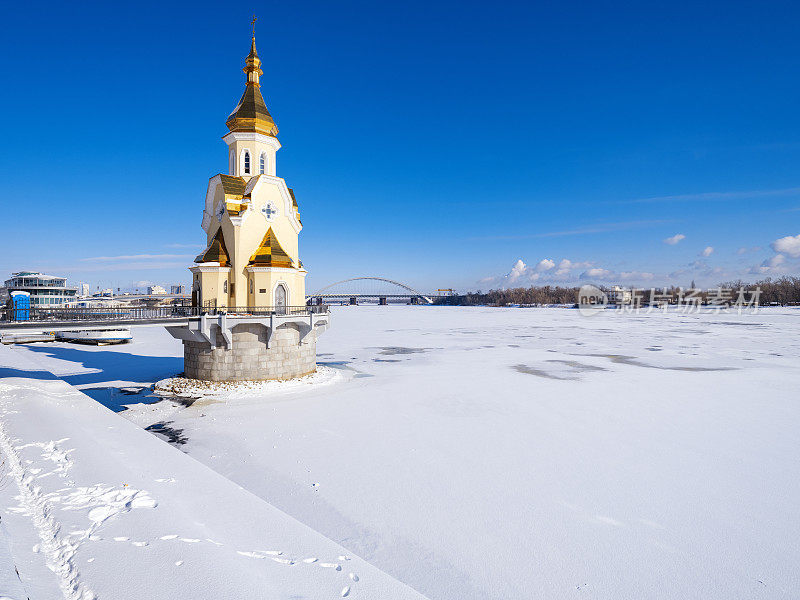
[528, 146]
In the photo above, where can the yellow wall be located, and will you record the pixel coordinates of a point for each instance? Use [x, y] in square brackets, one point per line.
[235, 150]
[243, 238]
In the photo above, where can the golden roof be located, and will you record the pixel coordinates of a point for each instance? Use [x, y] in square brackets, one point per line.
[251, 113]
[270, 253]
[294, 204]
[216, 251]
[233, 186]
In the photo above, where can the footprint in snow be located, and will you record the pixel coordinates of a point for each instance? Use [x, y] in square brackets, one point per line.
[310, 560]
[331, 566]
[190, 540]
[168, 537]
[178, 563]
[353, 576]
[166, 480]
[140, 544]
[249, 554]
[344, 558]
[121, 539]
[345, 591]
[283, 561]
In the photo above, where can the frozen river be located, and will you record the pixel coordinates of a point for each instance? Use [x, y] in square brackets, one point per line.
[514, 453]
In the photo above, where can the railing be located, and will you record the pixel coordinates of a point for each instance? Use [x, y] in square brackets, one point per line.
[145, 313]
[266, 311]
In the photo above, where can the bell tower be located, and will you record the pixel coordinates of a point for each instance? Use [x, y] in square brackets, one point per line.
[252, 141]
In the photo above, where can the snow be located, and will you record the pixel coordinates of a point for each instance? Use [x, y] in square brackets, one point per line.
[496, 453]
[95, 507]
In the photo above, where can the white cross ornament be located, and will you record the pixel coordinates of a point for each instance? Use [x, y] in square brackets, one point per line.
[269, 211]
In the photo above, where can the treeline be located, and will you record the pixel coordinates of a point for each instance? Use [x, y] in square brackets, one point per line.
[535, 296]
[782, 291]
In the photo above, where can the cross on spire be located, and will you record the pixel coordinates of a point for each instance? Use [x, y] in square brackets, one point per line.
[253, 24]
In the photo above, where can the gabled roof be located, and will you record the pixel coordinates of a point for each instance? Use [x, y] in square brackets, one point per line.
[270, 253]
[233, 186]
[216, 251]
[294, 203]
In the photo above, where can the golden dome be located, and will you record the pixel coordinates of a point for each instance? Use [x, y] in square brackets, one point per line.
[251, 113]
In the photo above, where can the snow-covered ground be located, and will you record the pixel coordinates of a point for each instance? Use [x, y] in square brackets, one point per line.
[92, 507]
[507, 453]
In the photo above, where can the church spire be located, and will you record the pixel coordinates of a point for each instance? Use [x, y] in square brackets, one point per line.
[251, 113]
[253, 64]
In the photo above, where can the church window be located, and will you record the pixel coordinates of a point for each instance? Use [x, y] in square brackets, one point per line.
[225, 287]
[246, 163]
[263, 164]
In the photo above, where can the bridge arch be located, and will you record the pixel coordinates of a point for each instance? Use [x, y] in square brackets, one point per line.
[329, 291]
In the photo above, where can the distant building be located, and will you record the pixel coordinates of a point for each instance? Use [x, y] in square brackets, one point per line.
[45, 290]
[83, 290]
[177, 289]
[620, 295]
[106, 293]
[154, 290]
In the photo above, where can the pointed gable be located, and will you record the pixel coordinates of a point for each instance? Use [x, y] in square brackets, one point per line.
[216, 251]
[270, 253]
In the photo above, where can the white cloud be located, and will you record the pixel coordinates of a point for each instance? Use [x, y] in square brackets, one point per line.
[674, 239]
[709, 250]
[518, 270]
[545, 265]
[788, 245]
[720, 196]
[596, 273]
[770, 265]
[566, 266]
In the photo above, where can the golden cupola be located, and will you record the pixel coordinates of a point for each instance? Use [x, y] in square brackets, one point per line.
[251, 114]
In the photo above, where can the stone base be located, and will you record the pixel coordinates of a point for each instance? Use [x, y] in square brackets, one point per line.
[251, 356]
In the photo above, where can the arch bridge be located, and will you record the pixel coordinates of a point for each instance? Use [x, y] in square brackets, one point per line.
[379, 289]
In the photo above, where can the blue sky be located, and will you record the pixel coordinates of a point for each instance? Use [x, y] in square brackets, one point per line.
[435, 143]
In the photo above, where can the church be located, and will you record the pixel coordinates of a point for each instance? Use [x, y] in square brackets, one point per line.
[251, 218]
[251, 320]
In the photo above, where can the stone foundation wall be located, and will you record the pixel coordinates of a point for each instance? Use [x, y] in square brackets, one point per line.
[249, 359]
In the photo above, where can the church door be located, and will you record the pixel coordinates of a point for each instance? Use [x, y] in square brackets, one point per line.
[280, 299]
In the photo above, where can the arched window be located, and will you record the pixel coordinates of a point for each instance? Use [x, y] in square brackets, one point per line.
[225, 287]
[262, 165]
[246, 163]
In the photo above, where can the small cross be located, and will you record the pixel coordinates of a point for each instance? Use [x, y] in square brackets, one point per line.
[269, 211]
[253, 23]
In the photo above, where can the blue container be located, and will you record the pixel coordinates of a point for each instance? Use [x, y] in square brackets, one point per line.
[21, 305]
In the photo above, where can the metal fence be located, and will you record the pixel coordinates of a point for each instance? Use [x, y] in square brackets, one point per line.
[145, 313]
